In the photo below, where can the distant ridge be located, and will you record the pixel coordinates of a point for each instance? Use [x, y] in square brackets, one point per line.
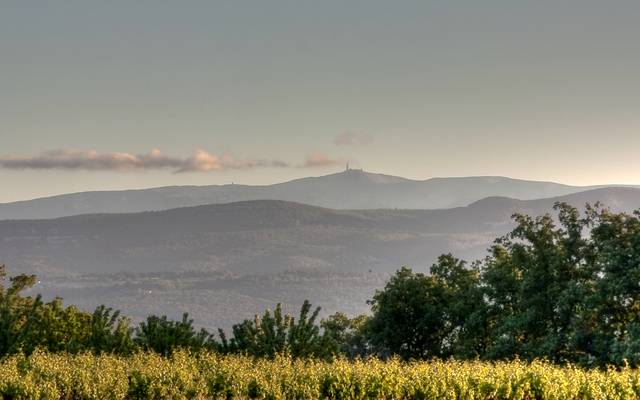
[245, 256]
[351, 189]
[260, 236]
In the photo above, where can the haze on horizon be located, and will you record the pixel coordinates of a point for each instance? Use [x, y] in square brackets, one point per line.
[114, 95]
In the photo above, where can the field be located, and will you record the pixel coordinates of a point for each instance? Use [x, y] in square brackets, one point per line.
[210, 376]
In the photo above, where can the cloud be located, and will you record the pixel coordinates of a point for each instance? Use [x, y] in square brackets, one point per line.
[353, 139]
[199, 161]
[92, 160]
[202, 161]
[319, 160]
[89, 160]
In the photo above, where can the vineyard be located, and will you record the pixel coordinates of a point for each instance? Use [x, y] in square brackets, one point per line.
[211, 376]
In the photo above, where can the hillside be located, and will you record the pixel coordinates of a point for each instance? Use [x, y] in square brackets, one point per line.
[219, 261]
[351, 189]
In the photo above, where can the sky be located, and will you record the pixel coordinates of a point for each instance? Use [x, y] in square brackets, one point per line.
[98, 95]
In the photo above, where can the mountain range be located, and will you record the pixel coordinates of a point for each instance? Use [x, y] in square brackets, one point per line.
[227, 261]
[267, 236]
[351, 189]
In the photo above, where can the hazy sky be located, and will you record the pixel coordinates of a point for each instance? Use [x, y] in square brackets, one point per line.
[123, 94]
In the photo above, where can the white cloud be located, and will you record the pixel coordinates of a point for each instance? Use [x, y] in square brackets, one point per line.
[199, 161]
[92, 160]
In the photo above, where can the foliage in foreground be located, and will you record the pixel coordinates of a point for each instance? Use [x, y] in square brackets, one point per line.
[564, 288]
[27, 323]
[209, 375]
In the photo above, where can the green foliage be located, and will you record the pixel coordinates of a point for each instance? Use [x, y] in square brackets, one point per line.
[437, 315]
[16, 312]
[556, 292]
[278, 333]
[27, 323]
[110, 333]
[345, 336]
[409, 316]
[534, 282]
[564, 288]
[163, 335]
[304, 338]
[464, 312]
[262, 336]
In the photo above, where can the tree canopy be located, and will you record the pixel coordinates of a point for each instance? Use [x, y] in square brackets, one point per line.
[563, 287]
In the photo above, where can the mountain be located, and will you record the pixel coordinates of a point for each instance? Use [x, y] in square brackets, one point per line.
[351, 189]
[265, 236]
[224, 262]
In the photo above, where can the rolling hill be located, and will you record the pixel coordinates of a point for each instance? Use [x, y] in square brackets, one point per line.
[351, 189]
[223, 262]
[266, 236]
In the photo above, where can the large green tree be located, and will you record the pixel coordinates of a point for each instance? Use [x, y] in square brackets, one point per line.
[409, 316]
[535, 282]
[421, 315]
[611, 323]
[565, 287]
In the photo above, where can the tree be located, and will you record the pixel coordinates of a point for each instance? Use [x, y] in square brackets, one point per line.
[278, 333]
[437, 315]
[110, 333]
[164, 336]
[464, 309]
[262, 336]
[534, 282]
[345, 336]
[563, 287]
[409, 316]
[304, 338]
[27, 323]
[612, 313]
[16, 312]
